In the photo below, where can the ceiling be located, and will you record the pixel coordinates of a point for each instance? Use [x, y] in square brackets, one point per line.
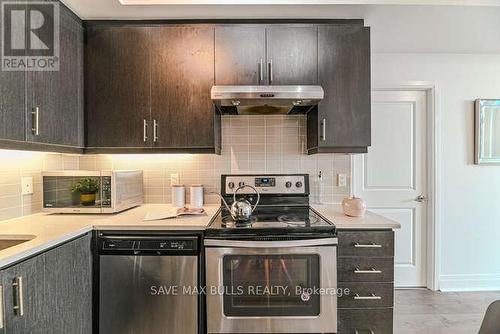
[170, 9]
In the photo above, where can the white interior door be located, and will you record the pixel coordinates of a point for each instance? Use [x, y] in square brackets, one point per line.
[392, 176]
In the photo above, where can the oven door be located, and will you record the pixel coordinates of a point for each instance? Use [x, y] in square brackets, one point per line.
[271, 286]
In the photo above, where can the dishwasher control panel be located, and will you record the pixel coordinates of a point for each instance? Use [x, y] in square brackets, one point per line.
[159, 245]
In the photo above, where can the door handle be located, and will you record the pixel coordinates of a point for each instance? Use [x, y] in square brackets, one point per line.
[155, 130]
[271, 77]
[421, 198]
[35, 118]
[323, 129]
[1, 307]
[261, 71]
[145, 131]
[17, 285]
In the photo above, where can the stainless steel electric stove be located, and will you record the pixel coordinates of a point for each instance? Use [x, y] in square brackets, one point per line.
[275, 272]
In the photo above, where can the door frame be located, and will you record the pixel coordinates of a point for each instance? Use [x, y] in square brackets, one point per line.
[434, 170]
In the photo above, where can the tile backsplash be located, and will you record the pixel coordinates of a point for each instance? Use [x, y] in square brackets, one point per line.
[250, 144]
[17, 164]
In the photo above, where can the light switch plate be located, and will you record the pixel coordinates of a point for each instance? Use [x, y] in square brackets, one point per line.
[174, 179]
[341, 180]
[27, 185]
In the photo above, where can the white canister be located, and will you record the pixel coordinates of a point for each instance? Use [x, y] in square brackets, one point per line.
[178, 196]
[196, 196]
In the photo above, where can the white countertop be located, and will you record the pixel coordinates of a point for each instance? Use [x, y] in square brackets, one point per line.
[49, 230]
[334, 213]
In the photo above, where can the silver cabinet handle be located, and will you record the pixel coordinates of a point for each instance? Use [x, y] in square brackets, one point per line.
[368, 330]
[372, 296]
[372, 245]
[1, 307]
[261, 71]
[17, 285]
[323, 129]
[271, 77]
[145, 131]
[155, 130]
[370, 271]
[35, 121]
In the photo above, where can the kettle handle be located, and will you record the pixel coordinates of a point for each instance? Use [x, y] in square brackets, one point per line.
[249, 186]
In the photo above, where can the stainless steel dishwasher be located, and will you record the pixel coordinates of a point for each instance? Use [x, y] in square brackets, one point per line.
[147, 284]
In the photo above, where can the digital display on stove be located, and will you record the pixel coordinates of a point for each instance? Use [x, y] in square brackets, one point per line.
[265, 182]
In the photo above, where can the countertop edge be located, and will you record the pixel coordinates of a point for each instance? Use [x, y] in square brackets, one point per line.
[27, 253]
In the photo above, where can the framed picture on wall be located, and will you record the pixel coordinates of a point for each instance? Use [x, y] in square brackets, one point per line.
[487, 131]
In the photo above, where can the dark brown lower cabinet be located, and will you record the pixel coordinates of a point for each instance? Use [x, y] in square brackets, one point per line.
[365, 321]
[366, 271]
[50, 292]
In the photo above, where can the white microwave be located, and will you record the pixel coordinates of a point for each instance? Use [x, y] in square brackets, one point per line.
[83, 191]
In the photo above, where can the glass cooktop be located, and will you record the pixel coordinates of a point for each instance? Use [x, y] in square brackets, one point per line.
[272, 219]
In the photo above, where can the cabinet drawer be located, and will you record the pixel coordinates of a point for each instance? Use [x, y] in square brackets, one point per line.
[366, 243]
[363, 321]
[371, 269]
[367, 295]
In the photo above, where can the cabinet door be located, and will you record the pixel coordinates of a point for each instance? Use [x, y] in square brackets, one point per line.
[12, 109]
[28, 293]
[344, 73]
[183, 73]
[240, 55]
[58, 95]
[117, 86]
[292, 55]
[12, 103]
[68, 287]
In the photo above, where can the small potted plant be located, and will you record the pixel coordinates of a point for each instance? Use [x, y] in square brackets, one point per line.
[87, 188]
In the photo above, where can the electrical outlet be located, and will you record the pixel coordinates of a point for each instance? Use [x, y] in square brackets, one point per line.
[174, 179]
[27, 185]
[341, 180]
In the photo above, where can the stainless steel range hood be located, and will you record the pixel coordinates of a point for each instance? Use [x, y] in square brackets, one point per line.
[252, 100]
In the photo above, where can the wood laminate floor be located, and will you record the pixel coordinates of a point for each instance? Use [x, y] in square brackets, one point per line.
[420, 311]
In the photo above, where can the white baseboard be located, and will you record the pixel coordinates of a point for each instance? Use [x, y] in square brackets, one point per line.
[469, 282]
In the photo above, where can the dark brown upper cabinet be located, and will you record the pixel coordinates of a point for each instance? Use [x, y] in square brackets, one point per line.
[292, 55]
[55, 98]
[240, 55]
[342, 121]
[148, 89]
[266, 55]
[182, 75]
[43, 110]
[118, 87]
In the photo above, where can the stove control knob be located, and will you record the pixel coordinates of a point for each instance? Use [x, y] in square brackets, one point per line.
[288, 184]
[298, 184]
[230, 185]
[241, 184]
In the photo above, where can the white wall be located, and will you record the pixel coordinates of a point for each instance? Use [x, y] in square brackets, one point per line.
[470, 225]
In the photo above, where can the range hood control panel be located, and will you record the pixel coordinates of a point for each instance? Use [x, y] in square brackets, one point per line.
[296, 184]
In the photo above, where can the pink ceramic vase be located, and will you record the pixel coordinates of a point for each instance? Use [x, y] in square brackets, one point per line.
[354, 207]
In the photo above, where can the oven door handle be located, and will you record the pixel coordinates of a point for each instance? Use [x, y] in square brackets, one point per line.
[270, 244]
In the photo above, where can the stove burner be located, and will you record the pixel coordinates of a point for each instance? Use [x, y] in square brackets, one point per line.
[298, 221]
[230, 222]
